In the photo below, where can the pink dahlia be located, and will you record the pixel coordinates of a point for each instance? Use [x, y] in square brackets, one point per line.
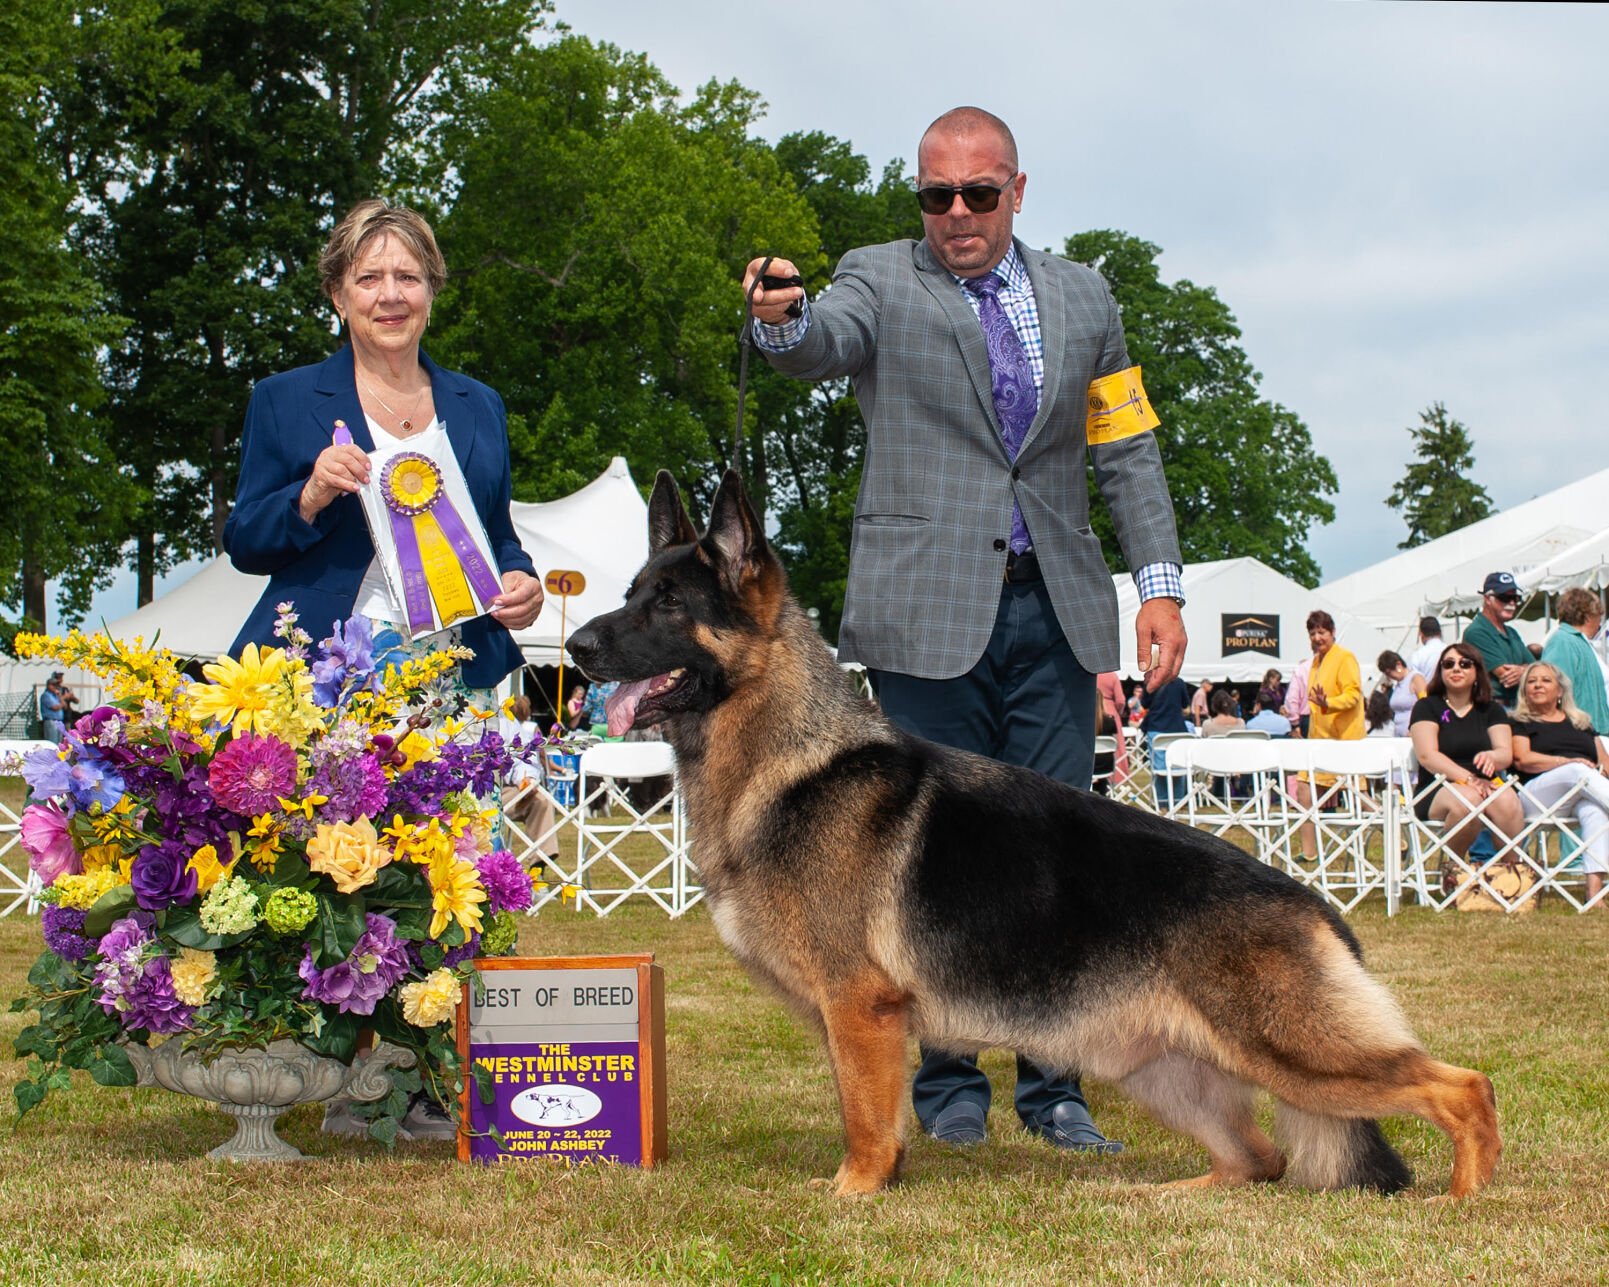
[251, 773]
[50, 848]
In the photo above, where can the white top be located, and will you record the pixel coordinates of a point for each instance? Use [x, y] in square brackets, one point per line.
[374, 599]
[1428, 657]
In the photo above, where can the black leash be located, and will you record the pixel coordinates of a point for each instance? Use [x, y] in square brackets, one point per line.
[745, 342]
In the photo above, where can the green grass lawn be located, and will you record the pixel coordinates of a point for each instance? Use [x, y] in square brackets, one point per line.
[109, 1186]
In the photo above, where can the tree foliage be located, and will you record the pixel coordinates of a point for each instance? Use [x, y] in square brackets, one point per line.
[1436, 494]
[595, 222]
[63, 488]
[1243, 472]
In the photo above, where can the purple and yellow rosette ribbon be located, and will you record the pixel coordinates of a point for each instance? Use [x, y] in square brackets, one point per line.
[437, 555]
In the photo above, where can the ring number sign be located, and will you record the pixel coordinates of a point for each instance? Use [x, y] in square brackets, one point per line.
[562, 582]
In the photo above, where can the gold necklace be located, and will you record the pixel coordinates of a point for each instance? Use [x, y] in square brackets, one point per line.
[406, 421]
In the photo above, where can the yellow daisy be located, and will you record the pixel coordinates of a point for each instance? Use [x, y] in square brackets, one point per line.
[456, 894]
[241, 692]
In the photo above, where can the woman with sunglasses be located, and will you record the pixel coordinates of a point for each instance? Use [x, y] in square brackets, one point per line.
[1562, 764]
[1461, 735]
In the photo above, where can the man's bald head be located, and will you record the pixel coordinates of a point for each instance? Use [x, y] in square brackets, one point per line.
[961, 121]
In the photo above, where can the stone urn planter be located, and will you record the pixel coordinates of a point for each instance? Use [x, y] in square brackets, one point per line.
[255, 1086]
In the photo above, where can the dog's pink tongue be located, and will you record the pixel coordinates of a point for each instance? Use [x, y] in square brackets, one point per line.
[621, 706]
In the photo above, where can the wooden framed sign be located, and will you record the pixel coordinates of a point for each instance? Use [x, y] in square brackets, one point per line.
[574, 1050]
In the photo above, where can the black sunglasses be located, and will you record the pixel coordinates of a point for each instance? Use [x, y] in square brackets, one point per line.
[1507, 598]
[1458, 663]
[980, 198]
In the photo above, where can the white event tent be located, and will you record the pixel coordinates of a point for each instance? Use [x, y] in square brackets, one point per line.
[600, 531]
[1548, 537]
[1243, 619]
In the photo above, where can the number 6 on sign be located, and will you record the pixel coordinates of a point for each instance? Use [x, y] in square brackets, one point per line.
[563, 583]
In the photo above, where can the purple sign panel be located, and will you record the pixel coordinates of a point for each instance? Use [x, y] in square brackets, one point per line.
[560, 1048]
[576, 1100]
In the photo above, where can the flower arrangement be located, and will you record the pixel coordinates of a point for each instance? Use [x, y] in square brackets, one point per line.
[293, 849]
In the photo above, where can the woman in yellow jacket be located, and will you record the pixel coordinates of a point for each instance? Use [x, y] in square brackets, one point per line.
[1335, 693]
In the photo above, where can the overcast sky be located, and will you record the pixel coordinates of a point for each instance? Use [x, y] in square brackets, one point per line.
[1400, 202]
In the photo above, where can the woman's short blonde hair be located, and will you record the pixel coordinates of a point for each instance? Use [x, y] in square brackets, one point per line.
[1578, 606]
[1525, 713]
[374, 218]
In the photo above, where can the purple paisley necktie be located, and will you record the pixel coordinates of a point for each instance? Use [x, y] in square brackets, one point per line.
[1016, 401]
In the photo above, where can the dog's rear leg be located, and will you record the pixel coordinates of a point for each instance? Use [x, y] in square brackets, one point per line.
[1206, 1103]
[866, 1041]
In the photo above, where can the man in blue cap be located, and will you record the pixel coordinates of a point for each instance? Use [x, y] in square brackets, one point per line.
[1498, 643]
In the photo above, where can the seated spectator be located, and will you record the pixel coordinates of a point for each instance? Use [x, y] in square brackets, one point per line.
[1223, 717]
[1570, 651]
[1164, 713]
[1562, 764]
[524, 805]
[1271, 692]
[1461, 734]
[1377, 717]
[1267, 719]
[1405, 687]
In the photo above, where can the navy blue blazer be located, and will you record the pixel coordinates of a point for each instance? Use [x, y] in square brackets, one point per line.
[320, 565]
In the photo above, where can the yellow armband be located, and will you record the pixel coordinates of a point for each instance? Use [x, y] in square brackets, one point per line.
[1118, 408]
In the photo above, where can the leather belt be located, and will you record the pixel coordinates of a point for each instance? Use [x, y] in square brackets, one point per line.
[1022, 567]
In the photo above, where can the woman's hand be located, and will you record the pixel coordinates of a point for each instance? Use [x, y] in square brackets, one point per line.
[339, 469]
[1486, 763]
[521, 601]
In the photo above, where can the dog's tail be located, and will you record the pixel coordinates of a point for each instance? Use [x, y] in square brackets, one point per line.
[1338, 1152]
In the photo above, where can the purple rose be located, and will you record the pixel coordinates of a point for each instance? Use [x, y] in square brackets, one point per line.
[161, 876]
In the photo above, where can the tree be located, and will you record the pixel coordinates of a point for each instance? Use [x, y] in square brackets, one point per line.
[596, 239]
[1242, 470]
[209, 185]
[1436, 495]
[63, 488]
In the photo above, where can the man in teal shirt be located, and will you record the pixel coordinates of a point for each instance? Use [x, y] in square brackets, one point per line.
[1498, 643]
[1570, 649]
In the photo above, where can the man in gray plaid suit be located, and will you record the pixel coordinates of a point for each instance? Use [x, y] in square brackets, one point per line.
[990, 378]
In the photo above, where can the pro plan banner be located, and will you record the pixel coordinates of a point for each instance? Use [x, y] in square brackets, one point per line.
[1250, 632]
[573, 1052]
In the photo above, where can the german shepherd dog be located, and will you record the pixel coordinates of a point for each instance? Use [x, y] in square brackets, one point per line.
[889, 888]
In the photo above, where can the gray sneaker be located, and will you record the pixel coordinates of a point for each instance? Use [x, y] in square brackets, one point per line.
[427, 1120]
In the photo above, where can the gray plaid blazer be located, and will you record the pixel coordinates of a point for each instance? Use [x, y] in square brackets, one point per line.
[933, 516]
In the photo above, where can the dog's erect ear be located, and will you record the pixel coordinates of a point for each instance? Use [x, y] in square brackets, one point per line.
[734, 529]
[668, 523]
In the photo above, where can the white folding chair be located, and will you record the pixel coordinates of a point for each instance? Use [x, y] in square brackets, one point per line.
[19, 886]
[605, 871]
[1356, 807]
[1232, 782]
[1249, 734]
[1105, 748]
[1170, 780]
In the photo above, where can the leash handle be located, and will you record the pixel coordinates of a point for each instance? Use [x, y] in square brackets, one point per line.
[745, 342]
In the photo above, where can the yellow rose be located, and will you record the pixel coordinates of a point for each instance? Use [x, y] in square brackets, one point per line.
[193, 975]
[434, 1001]
[349, 853]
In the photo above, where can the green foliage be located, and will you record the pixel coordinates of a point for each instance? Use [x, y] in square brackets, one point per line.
[1243, 472]
[220, 141]
[595, 241]
[63, 485]
[1436, 494]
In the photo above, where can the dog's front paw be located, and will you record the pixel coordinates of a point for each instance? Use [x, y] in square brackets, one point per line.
[857, 1181]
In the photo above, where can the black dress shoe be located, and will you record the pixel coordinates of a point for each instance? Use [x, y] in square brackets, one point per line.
[962, 1123]
[1069, 1126]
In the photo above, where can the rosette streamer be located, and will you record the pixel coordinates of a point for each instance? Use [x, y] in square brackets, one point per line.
[437, 555]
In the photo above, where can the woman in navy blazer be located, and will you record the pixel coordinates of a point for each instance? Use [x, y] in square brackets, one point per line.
[297, 518]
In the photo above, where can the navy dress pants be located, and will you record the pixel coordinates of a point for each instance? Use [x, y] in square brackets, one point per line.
[1027, 701]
